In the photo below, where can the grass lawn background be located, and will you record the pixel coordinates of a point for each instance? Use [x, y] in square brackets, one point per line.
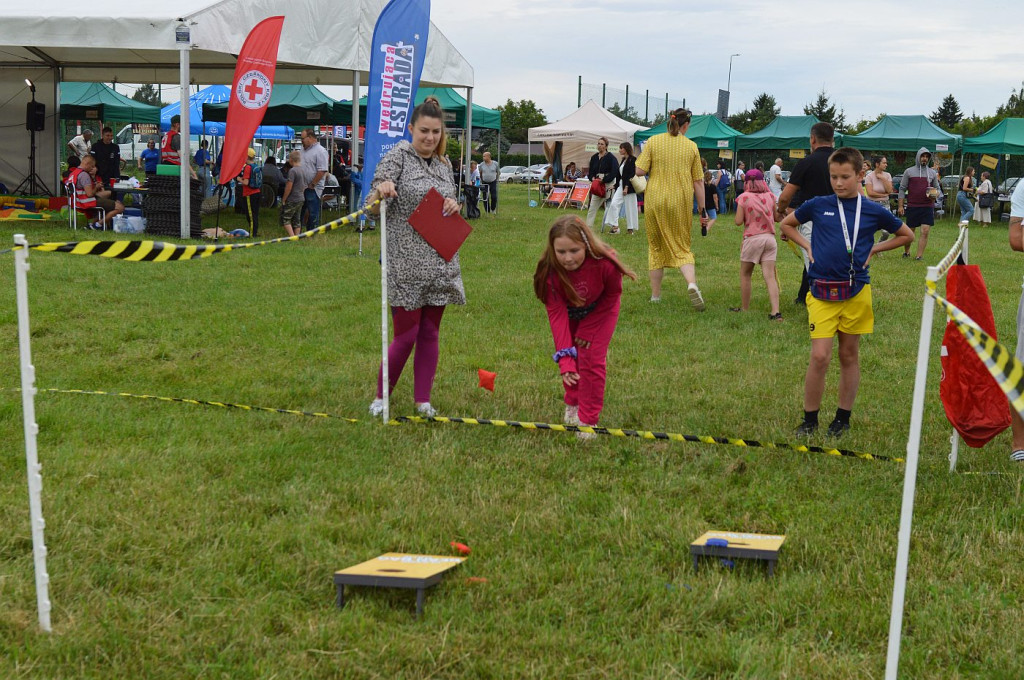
[189, 541]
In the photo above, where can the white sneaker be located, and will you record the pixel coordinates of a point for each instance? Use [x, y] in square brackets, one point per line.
[695, 297]
[586, 436]
[655, 299]
[426, 410]
[377, 408]
[572, 415]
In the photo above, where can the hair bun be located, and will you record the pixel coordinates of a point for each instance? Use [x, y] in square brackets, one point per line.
[432, 99]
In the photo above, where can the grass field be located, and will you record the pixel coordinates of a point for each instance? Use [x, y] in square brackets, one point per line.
[192, 541]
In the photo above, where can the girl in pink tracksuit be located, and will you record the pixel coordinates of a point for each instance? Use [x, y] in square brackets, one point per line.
[579, 280]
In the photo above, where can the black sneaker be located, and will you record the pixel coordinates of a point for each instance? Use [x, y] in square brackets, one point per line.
[805, 429]
[837, 429]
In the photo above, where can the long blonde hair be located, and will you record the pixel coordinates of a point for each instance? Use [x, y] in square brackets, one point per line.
[571, 227]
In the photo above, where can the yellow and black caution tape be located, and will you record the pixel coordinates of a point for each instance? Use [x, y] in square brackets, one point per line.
[159, 251]
[1000, 362]
[647, 434]
[201, 402]
[609, 431]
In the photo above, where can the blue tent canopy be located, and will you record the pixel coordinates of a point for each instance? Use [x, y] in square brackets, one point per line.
[213, 95]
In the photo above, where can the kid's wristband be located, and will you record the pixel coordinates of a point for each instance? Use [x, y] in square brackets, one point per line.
[563, 353]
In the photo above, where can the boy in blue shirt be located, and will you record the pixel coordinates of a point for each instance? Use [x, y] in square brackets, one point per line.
[842, 243]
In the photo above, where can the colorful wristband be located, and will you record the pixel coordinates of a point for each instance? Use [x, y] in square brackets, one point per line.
[562, 353]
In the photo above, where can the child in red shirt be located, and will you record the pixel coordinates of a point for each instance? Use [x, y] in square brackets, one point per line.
[579, 280]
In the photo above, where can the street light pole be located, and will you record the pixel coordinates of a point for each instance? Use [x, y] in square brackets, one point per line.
[728, 85]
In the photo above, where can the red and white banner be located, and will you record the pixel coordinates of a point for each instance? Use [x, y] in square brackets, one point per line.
[250, 92]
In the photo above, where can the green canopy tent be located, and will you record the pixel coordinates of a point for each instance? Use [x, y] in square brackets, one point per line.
[705, 131]
[302, 105]
[452, 102]
[785, 132]
[1007, 137]
[904, 133]
[96, 101]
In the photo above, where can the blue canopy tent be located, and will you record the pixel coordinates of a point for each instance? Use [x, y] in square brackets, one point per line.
[213, 95]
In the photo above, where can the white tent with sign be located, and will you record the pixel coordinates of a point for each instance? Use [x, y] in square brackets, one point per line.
[323, 42]
[581, 129]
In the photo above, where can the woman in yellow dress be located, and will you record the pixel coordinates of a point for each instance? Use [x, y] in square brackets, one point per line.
[673, 163]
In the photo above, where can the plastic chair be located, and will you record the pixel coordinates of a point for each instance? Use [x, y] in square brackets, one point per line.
[73, 209]
[331, 199]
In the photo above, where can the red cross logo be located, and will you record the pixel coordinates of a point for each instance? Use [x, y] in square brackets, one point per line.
[253, 89]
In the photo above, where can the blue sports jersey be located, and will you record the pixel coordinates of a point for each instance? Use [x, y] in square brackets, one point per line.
[831, 261]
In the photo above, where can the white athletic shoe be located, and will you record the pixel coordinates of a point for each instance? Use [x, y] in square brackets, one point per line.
[377, 408]
[695, 297]
[426, 410]
[586, 436]
[572, 415]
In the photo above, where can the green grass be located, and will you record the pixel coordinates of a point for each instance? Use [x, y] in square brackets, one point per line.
[189, 541]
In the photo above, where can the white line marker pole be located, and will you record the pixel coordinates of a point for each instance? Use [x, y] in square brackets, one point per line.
[28, 406]
[385, 414]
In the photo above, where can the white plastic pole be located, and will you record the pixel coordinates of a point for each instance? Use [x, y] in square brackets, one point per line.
[28, 407]
[954, 439]
[899, 589]
[384, 309]
[184, 154]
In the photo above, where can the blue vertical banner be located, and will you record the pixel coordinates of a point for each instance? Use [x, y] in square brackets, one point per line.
[396, 62]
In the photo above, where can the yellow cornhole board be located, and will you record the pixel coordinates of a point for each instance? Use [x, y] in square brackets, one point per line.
[763, 547]
[397, 570]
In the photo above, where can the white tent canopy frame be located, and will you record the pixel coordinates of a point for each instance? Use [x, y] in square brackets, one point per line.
[586, 124]
[323, 42]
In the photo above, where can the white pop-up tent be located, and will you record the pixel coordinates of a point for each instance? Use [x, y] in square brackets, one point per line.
[582, 128]
[323, 42]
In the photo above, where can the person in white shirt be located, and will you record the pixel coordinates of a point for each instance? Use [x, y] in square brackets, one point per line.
[81, 144]
[314, 157]
[775, 182]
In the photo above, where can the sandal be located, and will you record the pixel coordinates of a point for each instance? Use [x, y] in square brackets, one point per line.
[735, 309]
[775, 317]
[1017, 456]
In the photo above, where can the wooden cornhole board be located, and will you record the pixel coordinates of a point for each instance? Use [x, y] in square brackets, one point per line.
[764, 547]
[397, 570]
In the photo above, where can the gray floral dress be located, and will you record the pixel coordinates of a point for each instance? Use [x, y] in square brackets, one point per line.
[417, 275]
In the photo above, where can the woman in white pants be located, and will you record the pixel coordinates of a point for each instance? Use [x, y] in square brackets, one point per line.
[624, 194]
[603, 166]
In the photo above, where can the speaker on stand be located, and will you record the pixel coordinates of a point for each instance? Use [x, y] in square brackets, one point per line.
[35, 121]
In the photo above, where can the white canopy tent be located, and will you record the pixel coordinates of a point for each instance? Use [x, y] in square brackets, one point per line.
[323, 42]
[584, 127]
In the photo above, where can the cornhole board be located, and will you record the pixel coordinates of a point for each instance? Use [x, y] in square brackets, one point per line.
[397, 570]
[580, 193]
[764, 547]
[557, 196]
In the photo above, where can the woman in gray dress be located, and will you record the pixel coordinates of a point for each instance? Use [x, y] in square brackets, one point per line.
[420, 282]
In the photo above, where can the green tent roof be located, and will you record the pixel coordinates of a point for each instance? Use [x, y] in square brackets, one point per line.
[1006, 137]
[903, 133]
[453, 103]
[705, 131]
[785, 132]
[302, 105]
[96, 101]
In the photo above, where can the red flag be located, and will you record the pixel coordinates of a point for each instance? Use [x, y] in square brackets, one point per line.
[250, 93]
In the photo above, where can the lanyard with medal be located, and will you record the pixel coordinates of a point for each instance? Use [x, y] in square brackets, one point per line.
[850, 244]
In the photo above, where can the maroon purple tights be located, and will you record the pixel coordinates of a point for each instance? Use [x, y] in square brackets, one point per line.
[413, 328]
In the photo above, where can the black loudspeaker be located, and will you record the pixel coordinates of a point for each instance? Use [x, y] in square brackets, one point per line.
[35, 116]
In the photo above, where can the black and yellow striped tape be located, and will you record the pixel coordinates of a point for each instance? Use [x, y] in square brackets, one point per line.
[647, 434]
[609, 431]
[159, 251]
[999, 361]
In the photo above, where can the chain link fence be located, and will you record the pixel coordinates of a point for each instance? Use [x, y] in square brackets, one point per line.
[639, 105]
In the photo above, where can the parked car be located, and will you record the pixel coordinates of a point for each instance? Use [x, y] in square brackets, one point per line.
[1006, 188]
[508, 172]
[537, 171]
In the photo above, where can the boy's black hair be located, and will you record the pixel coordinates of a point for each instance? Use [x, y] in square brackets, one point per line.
[847, 154]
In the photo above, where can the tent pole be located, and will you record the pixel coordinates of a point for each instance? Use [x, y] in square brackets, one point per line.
[354, 134]
[183, 154]
[469, 136]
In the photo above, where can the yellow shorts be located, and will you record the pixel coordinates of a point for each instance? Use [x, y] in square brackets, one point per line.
[853, 316]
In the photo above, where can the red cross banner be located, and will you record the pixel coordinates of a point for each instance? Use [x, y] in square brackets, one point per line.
[250, 92]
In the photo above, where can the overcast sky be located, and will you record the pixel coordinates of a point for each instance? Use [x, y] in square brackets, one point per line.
[871, 57]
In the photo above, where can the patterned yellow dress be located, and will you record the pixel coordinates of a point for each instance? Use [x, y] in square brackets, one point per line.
[673, 164]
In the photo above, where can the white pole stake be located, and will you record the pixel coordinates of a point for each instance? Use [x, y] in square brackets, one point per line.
[28, 407]
[899, 589]
[384, 309]
[184, 42]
